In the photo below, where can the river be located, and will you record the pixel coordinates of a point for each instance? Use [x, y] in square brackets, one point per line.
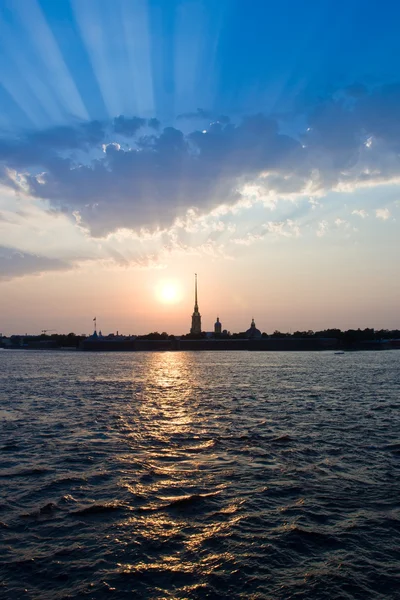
[253, 475]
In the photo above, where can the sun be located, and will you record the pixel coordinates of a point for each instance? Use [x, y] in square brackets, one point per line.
[168, 292]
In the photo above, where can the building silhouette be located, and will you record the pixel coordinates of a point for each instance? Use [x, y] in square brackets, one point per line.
[253, 333]
[196, 317]
[217, 327]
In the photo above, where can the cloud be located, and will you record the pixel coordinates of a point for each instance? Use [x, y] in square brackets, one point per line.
[147, 177]
[128, 127]
[382, 213]
[154, 123]
[248, 239]
[283, 228]
[16, 264]
[80, 136]
[360, 212]
[322, 228]
[200, 113]
[286, 229]
[157, 180]
[342, 223]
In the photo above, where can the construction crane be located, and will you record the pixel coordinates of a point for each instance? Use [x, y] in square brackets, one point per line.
[44, 331]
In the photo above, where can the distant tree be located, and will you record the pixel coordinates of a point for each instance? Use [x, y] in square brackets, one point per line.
[329, 333]
[155, 335]
[303, 334]
[279, 334]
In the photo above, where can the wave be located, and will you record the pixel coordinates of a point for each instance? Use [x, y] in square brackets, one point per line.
[282, 439]
[25, 472]
[100, 509]
[201, 447]
[180, 502]
[296, 536]
[9, 447]
[46, 509]
[395, 448]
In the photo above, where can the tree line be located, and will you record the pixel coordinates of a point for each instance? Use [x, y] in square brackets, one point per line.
[346, 338]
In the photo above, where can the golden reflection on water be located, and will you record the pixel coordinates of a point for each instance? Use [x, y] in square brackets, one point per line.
[165, 402]
[164, 529]
[172, 460]
[181, 547]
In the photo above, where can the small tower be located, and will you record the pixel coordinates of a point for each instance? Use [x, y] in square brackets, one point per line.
[253, 332]
[196, 317]
[217, 327]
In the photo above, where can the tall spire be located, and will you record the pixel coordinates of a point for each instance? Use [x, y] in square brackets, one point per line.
[196, 317]
[196, 307]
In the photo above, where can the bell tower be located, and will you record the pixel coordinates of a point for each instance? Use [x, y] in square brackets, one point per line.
[196, 317]
[217, 327]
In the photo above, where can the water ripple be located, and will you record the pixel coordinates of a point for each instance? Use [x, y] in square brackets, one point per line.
[209, 475]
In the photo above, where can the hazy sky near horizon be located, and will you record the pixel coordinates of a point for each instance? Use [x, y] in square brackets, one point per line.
[255, 143]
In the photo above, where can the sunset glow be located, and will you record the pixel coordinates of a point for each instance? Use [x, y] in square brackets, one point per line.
[168, 292]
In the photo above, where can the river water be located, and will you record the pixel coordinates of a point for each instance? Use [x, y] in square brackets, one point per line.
[199, 475]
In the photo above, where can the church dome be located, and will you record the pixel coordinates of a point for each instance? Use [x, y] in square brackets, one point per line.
[217, 326]
[253, 332]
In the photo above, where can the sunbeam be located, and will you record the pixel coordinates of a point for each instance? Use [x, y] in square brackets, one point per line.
[47, 52]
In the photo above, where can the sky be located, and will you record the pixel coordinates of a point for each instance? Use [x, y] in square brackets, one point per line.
[256, 144]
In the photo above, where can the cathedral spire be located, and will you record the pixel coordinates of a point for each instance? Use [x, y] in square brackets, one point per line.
[196, 307]
[196, 317]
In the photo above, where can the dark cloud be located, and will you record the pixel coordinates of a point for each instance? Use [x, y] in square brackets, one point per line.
[165, 172]
[153, 183]
[380, 113]
[128, 127]
[334, 135]
[83, 135]
[204, 115]
[14, 263]
[363, 136]
[200, 113]
[154, 123]
[40, 148]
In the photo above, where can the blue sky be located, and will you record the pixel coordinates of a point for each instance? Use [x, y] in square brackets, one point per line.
[143, 140]
[162, 58]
